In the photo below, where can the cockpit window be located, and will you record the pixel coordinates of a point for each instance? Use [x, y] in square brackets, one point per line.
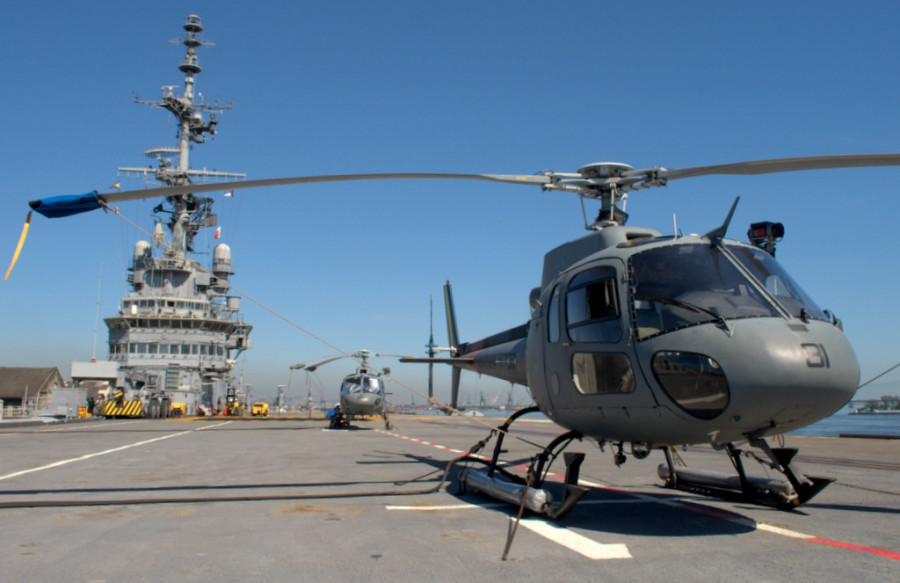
[602, 373]
[778, 282]
[357, 384]
[350, 385]
[371, 385]
[592, 306]
[553, 316]
[683, 285]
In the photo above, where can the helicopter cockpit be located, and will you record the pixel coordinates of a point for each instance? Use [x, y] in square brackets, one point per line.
[361, 384]
[682, 285]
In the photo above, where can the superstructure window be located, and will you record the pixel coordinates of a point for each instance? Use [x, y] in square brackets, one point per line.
[592, 306]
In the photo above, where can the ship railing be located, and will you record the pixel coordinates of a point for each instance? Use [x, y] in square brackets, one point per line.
[14, 412]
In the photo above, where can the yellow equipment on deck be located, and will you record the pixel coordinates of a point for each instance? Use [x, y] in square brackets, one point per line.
[122, 409]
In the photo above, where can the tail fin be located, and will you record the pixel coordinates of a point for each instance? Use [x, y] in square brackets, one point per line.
[453, 333]
[452, 330]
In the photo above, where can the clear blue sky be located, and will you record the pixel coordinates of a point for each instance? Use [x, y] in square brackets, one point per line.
[493, 87]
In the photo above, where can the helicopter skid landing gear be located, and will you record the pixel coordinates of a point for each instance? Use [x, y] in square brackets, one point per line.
[797, 490]
[529, 493]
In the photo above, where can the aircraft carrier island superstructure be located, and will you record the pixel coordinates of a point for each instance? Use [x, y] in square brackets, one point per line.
[179, 332]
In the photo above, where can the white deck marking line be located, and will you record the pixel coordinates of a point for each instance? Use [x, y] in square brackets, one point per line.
[576, 542]
[683, 505]
[99, 453]
[558, 534]
[501, 505]
[781, 531]
[205, 427]
[91, 425]
[438, 507]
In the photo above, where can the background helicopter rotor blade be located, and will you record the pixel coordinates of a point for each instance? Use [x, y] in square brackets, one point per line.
[312, 365]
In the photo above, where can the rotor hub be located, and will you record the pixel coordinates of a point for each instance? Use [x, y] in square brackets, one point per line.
[604, 169]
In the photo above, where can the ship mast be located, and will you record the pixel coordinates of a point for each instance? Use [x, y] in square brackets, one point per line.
[188, 214]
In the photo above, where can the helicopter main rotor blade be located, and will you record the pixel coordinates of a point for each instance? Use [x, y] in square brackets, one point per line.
[785, 165]
[61, 206]
[625, 180]
[263, 183]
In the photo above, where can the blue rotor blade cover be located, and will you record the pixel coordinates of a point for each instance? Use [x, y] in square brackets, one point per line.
[64, 206]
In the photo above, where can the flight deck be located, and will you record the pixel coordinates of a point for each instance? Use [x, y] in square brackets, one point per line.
[274, 500]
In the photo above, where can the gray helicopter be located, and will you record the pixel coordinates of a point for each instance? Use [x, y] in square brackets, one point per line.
[362, 392]
[648, 341]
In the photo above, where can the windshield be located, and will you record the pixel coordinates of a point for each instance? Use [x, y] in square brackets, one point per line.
[355, 384]
[683, 285]
[764, 268]
[371, 385]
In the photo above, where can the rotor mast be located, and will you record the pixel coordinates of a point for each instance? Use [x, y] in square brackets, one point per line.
[188, 213]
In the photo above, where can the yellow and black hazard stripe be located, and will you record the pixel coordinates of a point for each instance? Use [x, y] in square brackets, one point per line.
[125, 409]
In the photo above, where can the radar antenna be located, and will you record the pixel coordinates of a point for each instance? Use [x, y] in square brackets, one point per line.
[188, 213]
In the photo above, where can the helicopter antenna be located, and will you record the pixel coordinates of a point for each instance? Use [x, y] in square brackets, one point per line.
[97, 313]
[717, 234]
[674, 226]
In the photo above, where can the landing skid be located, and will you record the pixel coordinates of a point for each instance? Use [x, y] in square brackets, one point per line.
[529, 492]
[797, 490]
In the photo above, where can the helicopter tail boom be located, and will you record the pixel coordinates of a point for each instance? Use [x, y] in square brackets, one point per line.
[500, 355]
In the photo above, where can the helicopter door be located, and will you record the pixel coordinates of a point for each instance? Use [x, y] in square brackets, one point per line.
[592, 365]
[552, 346]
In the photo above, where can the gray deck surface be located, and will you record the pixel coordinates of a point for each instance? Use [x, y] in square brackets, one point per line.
[267, 500]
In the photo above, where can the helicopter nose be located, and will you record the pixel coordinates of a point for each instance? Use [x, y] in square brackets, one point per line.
[803, 373]
[367, 400]
[767, 376]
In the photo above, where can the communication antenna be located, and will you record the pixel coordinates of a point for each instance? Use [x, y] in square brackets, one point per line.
[97, 313]
[188, 213]
[431, 348]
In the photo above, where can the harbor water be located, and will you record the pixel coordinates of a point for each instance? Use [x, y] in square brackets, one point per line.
[841, 423]
[845, 423]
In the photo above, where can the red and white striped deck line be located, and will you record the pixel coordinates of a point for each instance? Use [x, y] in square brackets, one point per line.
[746, 522]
